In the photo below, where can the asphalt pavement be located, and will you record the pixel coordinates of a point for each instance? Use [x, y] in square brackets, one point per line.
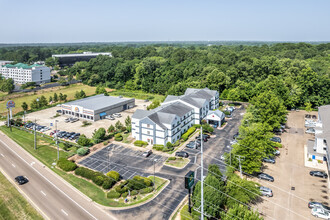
[52, 197]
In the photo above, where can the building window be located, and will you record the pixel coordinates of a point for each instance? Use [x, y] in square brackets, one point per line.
[92, 117]
[148, 126]
[88, 117]
[148, 132]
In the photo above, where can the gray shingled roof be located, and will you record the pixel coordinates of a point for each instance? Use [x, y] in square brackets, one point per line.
[197, 102]
[139, 113]
[176, 108]
[97, 102]
[160, 117]
[219, 113]
[171, 98]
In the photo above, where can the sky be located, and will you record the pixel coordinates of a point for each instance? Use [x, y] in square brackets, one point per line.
[65, 21]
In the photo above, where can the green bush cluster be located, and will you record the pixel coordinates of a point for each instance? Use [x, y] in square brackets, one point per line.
[118, 137]
[197, 125]
[186, 135]
[66, 165]
[139, 182]
[134, 192]
[207, 128]
[97, 177]
[124, 195]
[83, 151]
[171, 158]
[113, 195]
[140, 143]
[146, 190]
[114, 175]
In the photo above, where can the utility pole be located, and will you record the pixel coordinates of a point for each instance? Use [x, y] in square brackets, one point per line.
[202, 177]
[240, 167]
[58, 148]
[35, 134]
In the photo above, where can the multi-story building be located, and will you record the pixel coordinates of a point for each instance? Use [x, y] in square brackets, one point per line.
[23, 73]
[70, 59]
[174, 117]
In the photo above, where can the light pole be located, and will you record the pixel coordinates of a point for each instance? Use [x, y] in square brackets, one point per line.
[35, 134]
[240, 167]
[202, 177]
[154, 160]
[109, 148]
[58, 148]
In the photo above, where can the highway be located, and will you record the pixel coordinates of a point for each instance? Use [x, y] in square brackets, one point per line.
[48, 193]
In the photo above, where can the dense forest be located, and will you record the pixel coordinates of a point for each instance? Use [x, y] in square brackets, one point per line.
[298, 73]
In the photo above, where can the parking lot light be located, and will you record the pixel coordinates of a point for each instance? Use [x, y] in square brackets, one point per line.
[155, 160]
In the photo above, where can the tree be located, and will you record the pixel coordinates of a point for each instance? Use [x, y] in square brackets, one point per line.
[119, 126]
[43, 101]
[25, 106]
[111, 129]
[50, 99]
[7, 85]
[308, 107]
[64, 97]
[99, 135]
[154, 104]
[61, 97]
[34, 104]
[83, 140]
[82, 94]
[55, 97]
[128, 121]
[241, 212]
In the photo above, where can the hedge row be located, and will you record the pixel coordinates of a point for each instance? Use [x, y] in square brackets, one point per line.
[138, 182]
[140, 143]
[114, 175]
[97, 177]
[118, 137]
[66, 165]
[186, 135]
[83, 151]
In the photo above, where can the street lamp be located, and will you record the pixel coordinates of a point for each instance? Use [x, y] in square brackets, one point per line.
[155, 160]
[58, 148]
[108, 148]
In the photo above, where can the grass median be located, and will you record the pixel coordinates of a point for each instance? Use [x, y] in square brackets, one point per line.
[178, 162]
[13, 205]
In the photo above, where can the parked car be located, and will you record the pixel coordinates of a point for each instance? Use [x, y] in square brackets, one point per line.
[110, 117]
[74, 120]
[308, 116]
[193, 144]
[182, 154]
[276, 139]
[318, 205]
[147, 153]
[318, 174]
[278, 131]
[236, 135]
[266, 191]
[59, 111]
[310, 131]
[74, 136]
[264, 176]
[268, 160]
[199, 138]
[117, 115]
[320, 213]
[314, 117]
[67, 120]
[277, 153]
[21, 180]
[222, 157]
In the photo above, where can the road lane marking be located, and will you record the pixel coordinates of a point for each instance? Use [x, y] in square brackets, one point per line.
[64, 212]
[13, 165]
[50, 181]
[32, 163]
[43, 193]
[2, 155]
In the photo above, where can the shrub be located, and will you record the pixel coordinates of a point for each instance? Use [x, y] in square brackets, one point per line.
[118, 137]
[159, 148]
[166, 149]
[83, 151]
[171, 158]
[207, 128]
[84, 172]
[146, 190]
[169, 145]
[177, 143]
[124, 195]
[139, 182]
[227, 112]
[108, 183]
[140, 143]
[113, 195]
[113, 175]
[66, 165]
[134, 192]
[98, 180]
[197, 125]
[186, 135]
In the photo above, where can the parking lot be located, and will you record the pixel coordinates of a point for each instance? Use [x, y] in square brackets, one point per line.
[289, 171]
[46, 117]
[127, 162]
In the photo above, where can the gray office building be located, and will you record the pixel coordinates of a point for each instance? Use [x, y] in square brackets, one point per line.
[96, 107]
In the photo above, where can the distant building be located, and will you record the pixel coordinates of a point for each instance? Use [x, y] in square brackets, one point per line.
[175, 116]
[22, 73]
[4, 62]
[96, 107]
[70, 59]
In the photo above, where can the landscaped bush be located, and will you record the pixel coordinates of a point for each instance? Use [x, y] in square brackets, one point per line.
[124, 195]
[113, 175]
[197, 125]
[171, 158]
[83, 151]
[97, 177]
[118, 137]
[113, 195]
[139, 182]
[98, 180]
[177, 143]
[158, 148]
[108, 183]
[166, 149]
[140, 143]
[134, 192]
[227, 112]
[66, 165]
[186, 135]
[84, 172]
[207, 128]
[146, 190]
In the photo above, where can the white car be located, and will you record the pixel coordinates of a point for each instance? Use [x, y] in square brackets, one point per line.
[118, 115]
[222, 157]
[277, 152]
[320, 213]
[310, 131]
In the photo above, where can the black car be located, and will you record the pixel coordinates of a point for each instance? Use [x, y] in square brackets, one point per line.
[308, 116]
[182, 154]
[199, 138]
[206, 136]
[268, 160]
[276, 139]
[318, 174]
[235, 135]
[74, 136]
[21, 180]
[264, 176]
[317, 205]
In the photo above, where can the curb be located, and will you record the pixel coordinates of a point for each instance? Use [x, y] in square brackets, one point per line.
[179, 168]
[182, 203]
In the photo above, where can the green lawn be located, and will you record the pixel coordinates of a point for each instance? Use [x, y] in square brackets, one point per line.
[160, 183]
[19, 98]
[13, 205]
[185, 215]
[179, 162]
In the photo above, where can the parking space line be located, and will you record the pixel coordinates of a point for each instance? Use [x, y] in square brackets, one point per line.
[43, 193]
[64, 212]
[131, 175]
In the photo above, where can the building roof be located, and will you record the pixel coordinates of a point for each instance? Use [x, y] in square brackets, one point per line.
[197, 102]
[324, 117]
[170, 98]
[176, 108]
[207, 90]
[97, 102]
[310, 148]
[161, 118]
[85, 54]
[217, 112]
[21, 66]
[139, 113]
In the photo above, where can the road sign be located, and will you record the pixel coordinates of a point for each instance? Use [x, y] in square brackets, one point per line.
[10, 104]
[189, 179]
[51, 124]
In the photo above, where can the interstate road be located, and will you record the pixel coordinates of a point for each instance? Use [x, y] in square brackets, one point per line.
[47, 192]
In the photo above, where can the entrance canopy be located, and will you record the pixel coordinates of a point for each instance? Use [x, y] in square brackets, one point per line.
[215, 116]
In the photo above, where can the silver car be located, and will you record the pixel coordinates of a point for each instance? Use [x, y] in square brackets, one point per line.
[266, 191]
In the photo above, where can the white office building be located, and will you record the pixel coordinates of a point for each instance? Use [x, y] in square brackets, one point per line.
[174, 117]
[23, 73]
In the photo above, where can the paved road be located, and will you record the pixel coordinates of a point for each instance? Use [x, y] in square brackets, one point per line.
[55, 198]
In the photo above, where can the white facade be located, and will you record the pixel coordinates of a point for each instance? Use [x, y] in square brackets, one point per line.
[173, 118]
[22, 73]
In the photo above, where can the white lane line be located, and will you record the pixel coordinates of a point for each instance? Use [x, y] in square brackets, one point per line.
[43, 193]
[2, 155]
[64, 212]
[32, 163]
[131, 175]
[13, 165]
[49, 181]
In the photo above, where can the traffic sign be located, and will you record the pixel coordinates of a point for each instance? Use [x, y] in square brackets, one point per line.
[51, 124]
[10, 104]
[189, 179]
